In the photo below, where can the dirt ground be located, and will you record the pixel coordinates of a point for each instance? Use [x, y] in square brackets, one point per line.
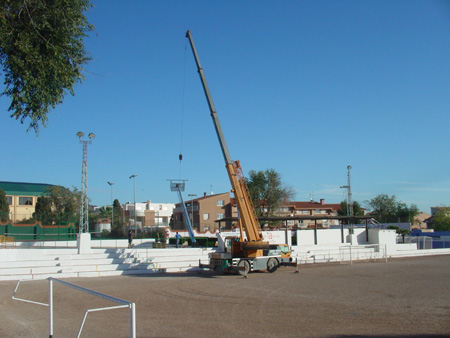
[401, 298]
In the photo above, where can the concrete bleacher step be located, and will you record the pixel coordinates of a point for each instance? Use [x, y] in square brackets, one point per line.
[67, 263]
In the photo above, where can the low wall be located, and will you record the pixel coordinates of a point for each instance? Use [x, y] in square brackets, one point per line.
[329, 236]
[95, 243]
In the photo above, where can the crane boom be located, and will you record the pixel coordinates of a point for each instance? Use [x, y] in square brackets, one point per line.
[248, 220]
[212, 108]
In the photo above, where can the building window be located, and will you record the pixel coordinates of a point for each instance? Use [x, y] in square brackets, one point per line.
[220, 203]
[220, 216]
[205, 217]
[305, 212]
[25, 200]
[9, 198]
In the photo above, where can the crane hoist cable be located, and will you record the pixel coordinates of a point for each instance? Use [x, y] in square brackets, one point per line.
[180, 156]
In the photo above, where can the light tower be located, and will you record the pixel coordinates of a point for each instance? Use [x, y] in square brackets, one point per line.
[84, 212]
[134, 192]
[112, 205]
[349, 192]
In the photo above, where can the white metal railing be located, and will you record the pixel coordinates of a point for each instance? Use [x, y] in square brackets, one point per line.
[123, 304]
[359, 252]
[343, 253]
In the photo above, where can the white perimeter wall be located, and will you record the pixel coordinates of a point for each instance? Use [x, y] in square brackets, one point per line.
[333, 236]
[329, 236]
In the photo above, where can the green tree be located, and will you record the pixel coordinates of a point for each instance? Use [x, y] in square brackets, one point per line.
[4, 207]
[267, 191]
[43, 211]
[402, 232]
[441, 220]
[42, 54]
[118, 215]
[387, 209]
[105, 212]
[357, 210]
[65, 202]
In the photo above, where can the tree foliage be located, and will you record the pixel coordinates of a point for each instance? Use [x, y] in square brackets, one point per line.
[357, 210]
[388, 209]
[58, 204]
[441, 220]
[42, 54]
[4, 207]
[118, 214]
[267, 191]
[43, 210]
[401, 232]
[105, 212]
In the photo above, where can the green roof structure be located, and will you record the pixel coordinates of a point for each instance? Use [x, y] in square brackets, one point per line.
[24, 189]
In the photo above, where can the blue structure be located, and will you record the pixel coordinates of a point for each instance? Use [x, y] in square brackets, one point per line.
[441, 239]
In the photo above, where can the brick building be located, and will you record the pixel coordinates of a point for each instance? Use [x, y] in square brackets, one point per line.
[204, 211]
[308, 209]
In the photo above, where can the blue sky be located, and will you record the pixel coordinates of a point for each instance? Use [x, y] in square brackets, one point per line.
[303, 87]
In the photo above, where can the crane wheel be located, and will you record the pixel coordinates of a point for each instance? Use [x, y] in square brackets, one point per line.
[272, 265]
[244, 266]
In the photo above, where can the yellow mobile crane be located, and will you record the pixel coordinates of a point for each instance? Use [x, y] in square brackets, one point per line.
[252, 253]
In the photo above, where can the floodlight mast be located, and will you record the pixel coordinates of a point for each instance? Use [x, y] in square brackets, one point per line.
[84, 209]
[350, 200]
[248, 219]
[112, 205]
[178, 186]
[134, 193]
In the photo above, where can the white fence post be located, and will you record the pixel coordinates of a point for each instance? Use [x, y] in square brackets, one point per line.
[50, 308]
[133, 320]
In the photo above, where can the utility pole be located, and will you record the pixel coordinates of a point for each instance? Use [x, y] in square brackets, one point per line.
[84, 212]
[134, 191]
[349, 191]
[112, 205]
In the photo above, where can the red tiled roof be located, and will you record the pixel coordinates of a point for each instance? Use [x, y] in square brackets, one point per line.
[312, 205]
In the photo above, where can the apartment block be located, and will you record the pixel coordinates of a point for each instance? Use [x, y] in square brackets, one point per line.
[204, 211]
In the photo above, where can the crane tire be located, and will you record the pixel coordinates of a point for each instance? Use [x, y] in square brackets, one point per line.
[272, 265]
[245, 267]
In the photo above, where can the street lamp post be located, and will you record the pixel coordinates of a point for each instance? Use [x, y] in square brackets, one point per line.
[192, 209]
[84, 212]
[134, 192]
[112, 205]
[350, 200]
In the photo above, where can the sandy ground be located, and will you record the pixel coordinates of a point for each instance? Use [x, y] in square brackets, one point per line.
[403, 298]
